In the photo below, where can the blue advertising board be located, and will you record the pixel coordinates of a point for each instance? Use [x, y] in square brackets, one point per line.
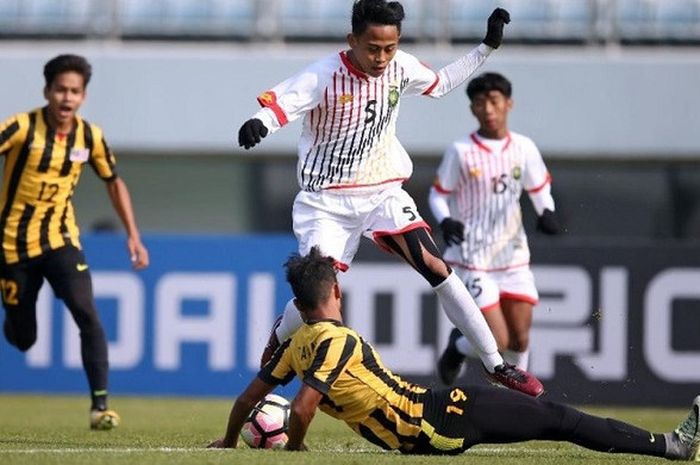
[194, 322]
[616, 323]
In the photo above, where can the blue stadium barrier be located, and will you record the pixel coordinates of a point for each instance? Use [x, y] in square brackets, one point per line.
[616, 322]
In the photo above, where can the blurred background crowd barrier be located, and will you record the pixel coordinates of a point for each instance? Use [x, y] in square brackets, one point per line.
[546, 21]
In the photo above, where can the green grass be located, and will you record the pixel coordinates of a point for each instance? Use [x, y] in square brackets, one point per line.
[50, 430]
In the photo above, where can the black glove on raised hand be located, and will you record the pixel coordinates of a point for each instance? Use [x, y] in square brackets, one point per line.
[547, 223]
[251, 133]
[452, 231]
[494, 29]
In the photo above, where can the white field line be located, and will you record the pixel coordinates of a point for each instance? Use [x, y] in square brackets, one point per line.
[175, 450]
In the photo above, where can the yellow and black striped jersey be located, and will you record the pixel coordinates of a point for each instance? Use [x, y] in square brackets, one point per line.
[356, 387]
[41, 171]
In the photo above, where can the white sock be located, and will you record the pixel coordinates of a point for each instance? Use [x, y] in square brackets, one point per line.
[291, 321]
[519, 359]
[462, 311]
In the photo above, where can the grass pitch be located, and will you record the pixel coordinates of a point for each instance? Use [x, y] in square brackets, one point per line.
[49, 430]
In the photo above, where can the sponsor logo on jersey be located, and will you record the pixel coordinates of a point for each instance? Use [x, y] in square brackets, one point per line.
[517, 172]
[345, 98]
[393, 95]
[81, 267]
[474, 172]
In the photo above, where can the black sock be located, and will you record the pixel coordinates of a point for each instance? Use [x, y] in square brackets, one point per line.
[609, 435]
[94, 354]
[99, 400]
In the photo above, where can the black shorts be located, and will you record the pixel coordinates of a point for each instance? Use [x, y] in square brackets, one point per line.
[65, 268]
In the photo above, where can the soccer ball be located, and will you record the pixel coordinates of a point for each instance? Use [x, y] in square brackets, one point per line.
[266, 426]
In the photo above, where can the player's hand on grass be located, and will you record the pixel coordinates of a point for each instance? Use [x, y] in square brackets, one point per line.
[302, 447]
[452, 231]
[547, 223]
[217, 444]
[494, 29]
[251, 133]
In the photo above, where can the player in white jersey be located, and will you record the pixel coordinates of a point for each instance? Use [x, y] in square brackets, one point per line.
[476, 200]
[351, 165]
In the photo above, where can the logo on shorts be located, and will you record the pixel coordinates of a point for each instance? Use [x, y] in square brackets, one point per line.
[81, 266]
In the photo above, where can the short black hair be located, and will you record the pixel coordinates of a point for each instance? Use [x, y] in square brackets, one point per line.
[366, 12]
[487, 82]
[65, 63]
[312, 277]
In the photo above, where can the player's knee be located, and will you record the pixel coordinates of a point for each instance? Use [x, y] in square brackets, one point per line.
[568, 418]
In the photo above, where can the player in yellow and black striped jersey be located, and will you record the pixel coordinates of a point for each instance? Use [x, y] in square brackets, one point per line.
[45, 150]
[343, 376]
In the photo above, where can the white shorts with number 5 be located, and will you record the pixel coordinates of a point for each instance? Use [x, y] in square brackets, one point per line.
[489, 287]
[335, 222]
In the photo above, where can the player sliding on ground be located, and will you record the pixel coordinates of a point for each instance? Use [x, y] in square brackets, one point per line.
[351, 165]
[343, 376]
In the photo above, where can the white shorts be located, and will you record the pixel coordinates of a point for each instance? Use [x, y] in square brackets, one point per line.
[489, 287]
[335, 222]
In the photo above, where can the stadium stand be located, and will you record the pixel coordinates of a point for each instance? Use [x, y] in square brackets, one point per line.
[535, 21]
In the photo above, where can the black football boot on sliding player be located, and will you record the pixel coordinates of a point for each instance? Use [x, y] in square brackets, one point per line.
[450, 363]
[512, 377]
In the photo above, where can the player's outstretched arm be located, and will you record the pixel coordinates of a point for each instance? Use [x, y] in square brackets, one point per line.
[254, 393]
[494, 27]
[121, 201]
[251, 133]
[303, 410]
[454, 74]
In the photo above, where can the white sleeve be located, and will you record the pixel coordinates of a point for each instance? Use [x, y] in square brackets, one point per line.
[438, 204]
[425, 81]
[537, 181]
[448, 174]
[454, 74]
[290, 99]
[449, 171]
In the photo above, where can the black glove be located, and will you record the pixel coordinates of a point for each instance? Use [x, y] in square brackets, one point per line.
[547, 223]
[251, 132]
[494, 29]
[452, 231]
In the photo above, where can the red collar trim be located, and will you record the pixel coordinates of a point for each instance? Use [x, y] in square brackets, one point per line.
[485, 148]
[348, 64]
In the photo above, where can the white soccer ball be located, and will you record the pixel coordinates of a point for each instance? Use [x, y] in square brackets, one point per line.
[266, 426]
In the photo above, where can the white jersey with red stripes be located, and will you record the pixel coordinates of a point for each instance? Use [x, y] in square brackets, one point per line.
[348, 139]
[484, 179]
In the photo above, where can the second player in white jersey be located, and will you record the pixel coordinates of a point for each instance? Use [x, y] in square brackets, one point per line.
[484, 179]
[476, 200]
[351, 165]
